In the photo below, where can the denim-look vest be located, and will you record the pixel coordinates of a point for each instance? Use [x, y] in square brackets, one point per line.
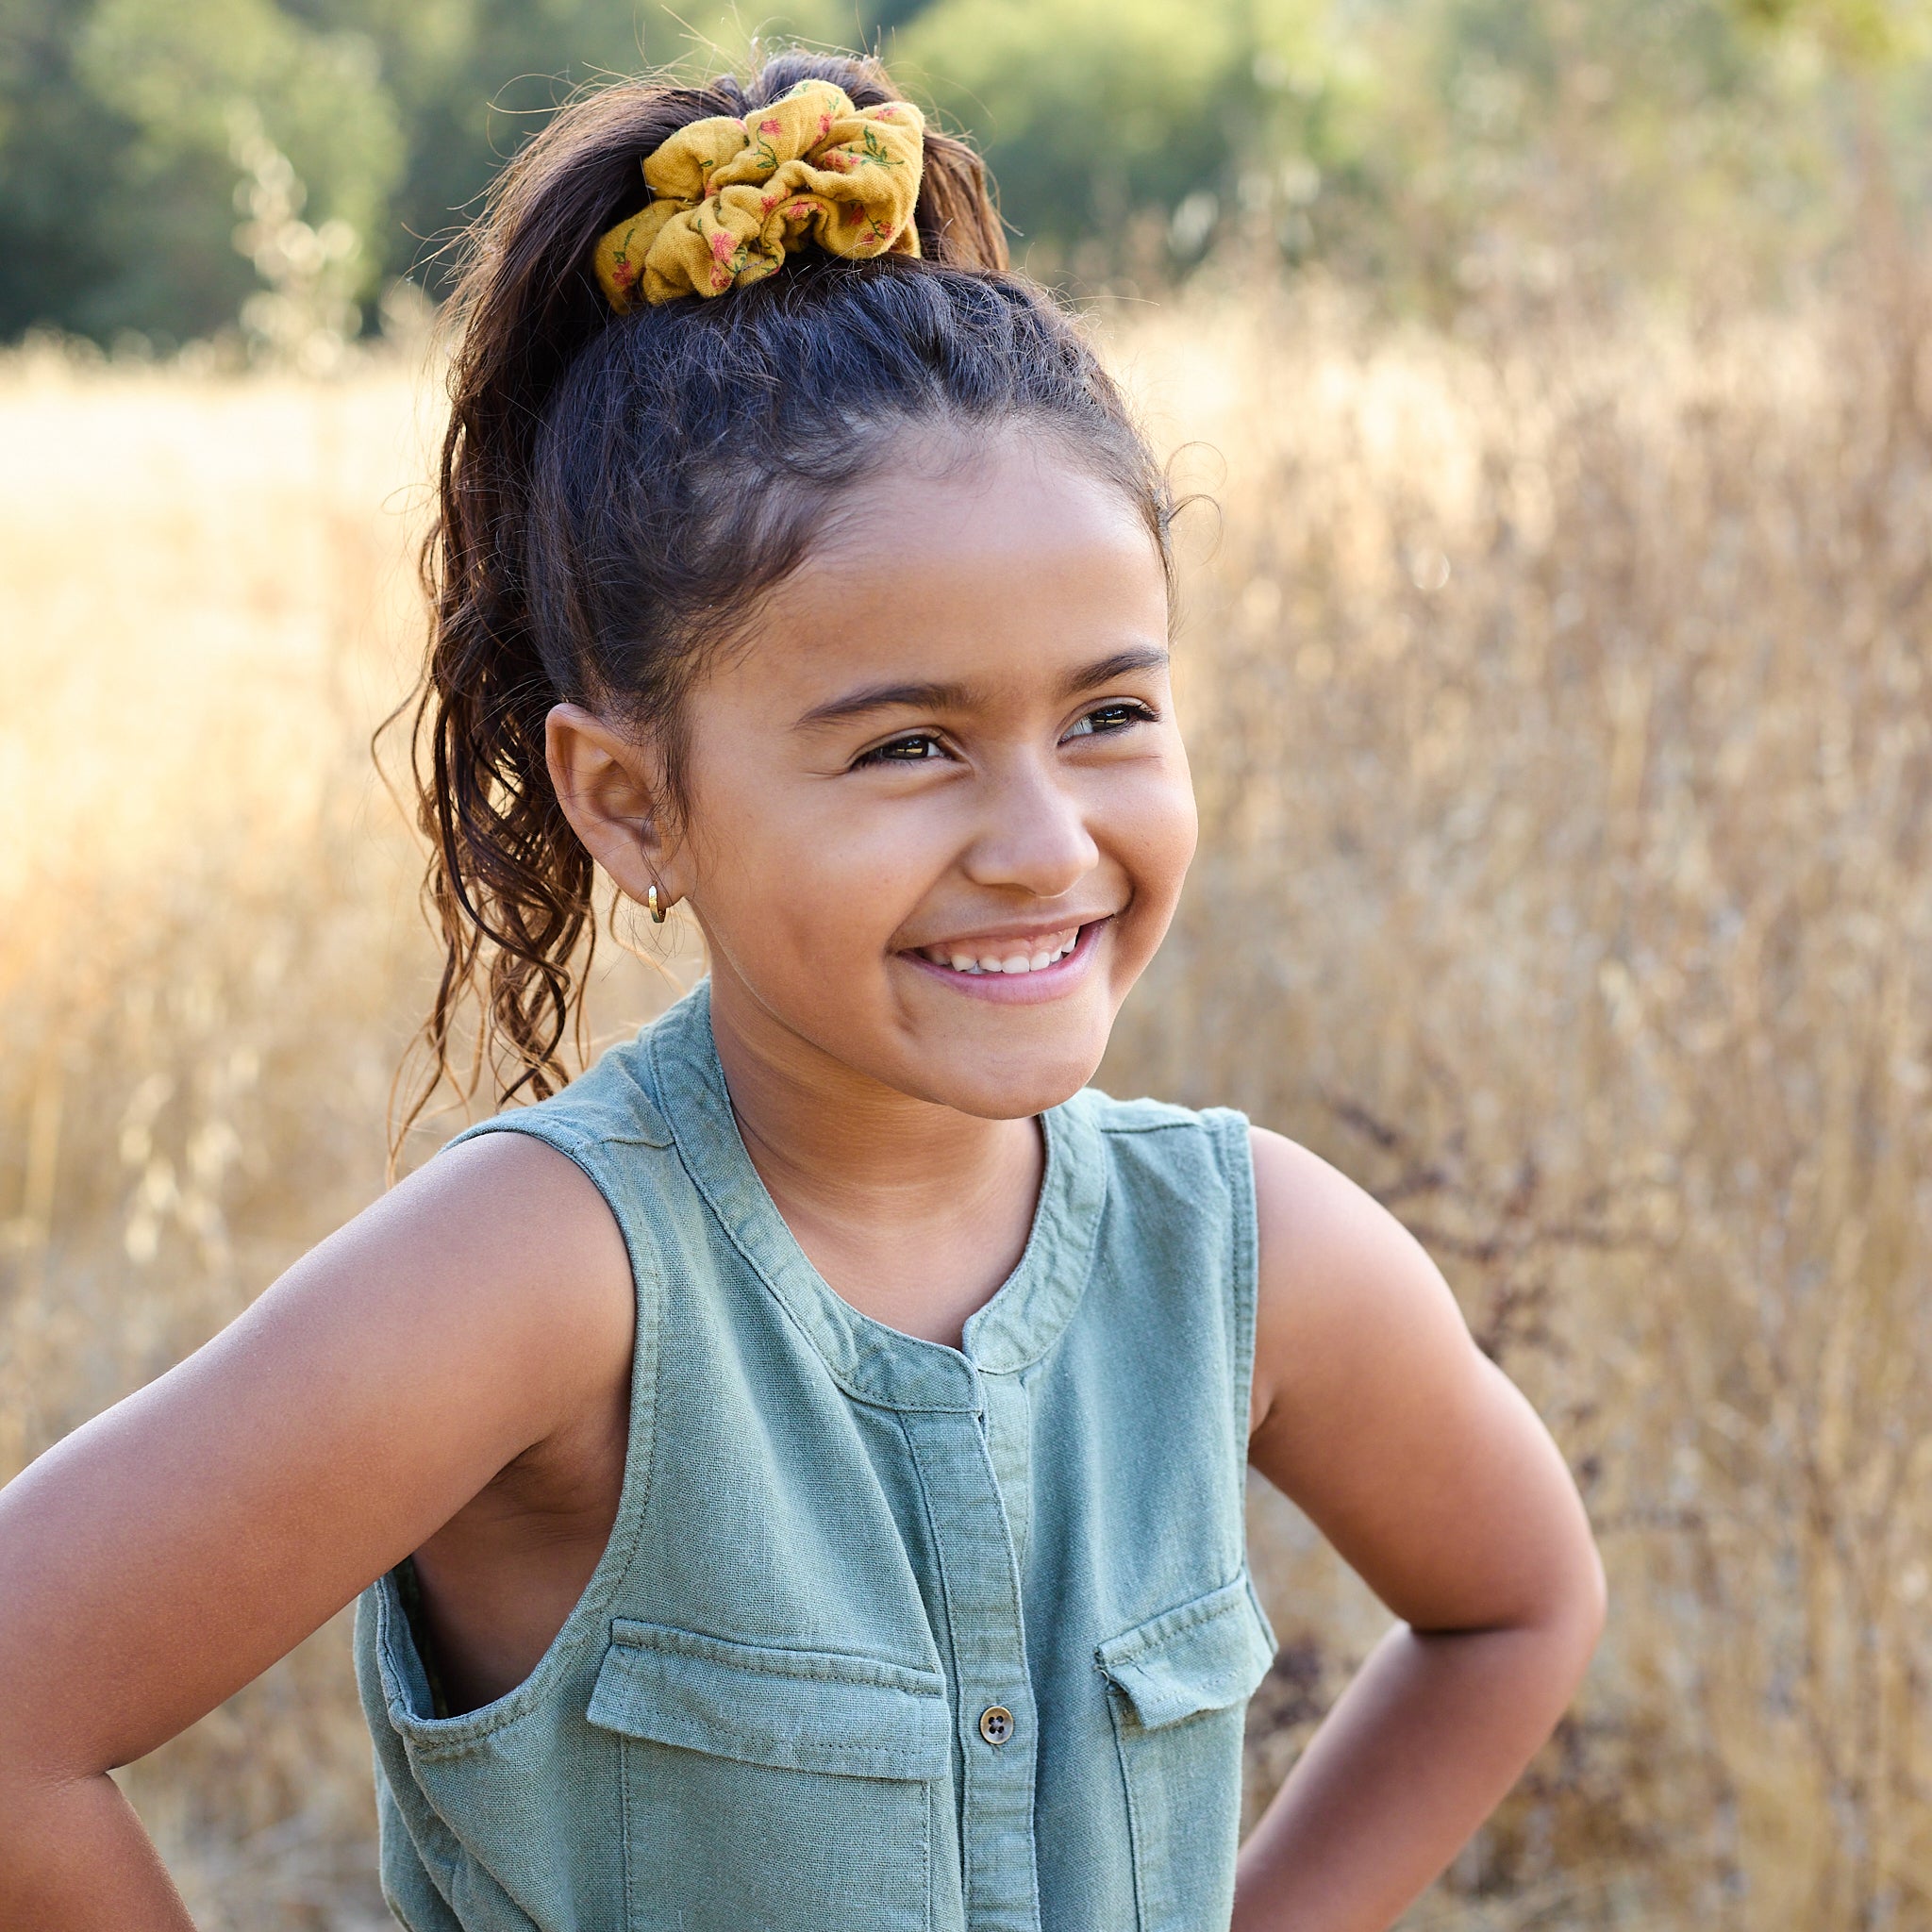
[890, 1637]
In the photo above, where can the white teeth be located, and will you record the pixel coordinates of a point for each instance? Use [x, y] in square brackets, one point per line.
[1047, 955]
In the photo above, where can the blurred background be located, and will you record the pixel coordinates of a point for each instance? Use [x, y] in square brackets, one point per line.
[1554, 377]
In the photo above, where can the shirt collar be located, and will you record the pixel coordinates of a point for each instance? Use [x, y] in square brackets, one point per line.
[871, 1361]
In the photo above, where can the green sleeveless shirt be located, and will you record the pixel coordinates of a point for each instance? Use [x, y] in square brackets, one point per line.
[890, 1637]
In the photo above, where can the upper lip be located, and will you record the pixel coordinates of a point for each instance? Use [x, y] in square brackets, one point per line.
[990, 936]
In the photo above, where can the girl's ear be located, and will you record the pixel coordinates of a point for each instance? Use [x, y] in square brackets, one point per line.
[612, 795]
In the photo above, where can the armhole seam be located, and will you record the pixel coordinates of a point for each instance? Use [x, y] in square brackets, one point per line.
[647, 1273]
[1245, 1265]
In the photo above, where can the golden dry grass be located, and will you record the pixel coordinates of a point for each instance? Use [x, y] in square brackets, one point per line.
[1558, 701]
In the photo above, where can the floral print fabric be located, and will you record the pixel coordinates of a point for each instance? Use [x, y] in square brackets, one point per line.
[730, 199]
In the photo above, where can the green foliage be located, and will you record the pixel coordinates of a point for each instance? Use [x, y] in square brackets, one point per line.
[1867, 32]
[1427, 146]
[176, 78]
[1094, 106]
[1431, 147]
[1093, 112]
[118, 172]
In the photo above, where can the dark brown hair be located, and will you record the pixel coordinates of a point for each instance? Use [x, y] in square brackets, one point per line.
[615, 491]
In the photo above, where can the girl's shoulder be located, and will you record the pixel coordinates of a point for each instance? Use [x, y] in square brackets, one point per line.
[1181, 1151]
[612, 1125]
[614, 1103]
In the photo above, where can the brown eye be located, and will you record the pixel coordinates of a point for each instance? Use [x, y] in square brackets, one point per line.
[1107, 719]
[916, 748]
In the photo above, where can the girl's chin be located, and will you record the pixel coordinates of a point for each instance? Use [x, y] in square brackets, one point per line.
[1001, 1081]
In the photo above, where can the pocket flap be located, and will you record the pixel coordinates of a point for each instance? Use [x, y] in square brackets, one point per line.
[795, 1709]
[1205, 1656]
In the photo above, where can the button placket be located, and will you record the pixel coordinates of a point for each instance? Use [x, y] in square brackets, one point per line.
[1009, 1442]
[981, 1585]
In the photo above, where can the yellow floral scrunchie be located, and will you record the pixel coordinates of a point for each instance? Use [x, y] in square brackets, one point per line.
[730, 199]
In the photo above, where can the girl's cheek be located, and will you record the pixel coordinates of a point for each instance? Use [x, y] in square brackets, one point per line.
[829, 900]
[1159, 829]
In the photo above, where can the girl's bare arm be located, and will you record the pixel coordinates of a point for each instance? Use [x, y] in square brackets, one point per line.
[160, 1557]
[1376, 1412]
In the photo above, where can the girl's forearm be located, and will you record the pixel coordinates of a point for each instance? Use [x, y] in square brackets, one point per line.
[74, 1857]
[1424, 1742]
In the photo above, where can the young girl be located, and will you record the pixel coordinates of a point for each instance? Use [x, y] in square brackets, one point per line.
[794, 1472]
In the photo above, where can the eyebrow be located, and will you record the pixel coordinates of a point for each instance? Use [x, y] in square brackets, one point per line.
[932, 696]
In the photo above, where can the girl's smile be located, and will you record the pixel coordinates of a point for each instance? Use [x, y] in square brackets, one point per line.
[1013, 968]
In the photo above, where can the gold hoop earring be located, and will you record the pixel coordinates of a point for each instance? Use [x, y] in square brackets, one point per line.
[657, 911]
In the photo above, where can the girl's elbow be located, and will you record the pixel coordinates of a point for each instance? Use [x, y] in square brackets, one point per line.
[1567, 1610]
[1581, 1609]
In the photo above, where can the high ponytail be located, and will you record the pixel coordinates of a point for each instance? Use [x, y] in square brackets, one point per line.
[614, 490]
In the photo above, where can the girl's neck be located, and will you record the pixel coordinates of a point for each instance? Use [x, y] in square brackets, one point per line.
[913, 1212]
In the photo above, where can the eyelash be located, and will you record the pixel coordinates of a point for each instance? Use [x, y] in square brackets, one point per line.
[1129, 711]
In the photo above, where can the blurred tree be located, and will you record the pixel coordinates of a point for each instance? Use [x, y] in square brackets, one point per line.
[1858, 30]
[1433, 149]
[475, 79]
[118, 169]
[177, 76]
[1430, 147]
[1094, 111]
[63, 236]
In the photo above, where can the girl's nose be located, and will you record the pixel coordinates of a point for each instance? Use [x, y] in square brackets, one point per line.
[1032, 837]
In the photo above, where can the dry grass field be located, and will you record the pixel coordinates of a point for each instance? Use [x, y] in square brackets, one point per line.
[1558, 695]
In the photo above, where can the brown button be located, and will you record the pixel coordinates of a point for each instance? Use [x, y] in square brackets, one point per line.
[996, 1723]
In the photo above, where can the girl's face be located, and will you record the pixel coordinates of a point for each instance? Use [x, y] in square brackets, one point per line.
[939, 810]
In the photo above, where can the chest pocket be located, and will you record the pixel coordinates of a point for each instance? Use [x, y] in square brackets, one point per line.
[1179, 1686]
[784, 1790]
